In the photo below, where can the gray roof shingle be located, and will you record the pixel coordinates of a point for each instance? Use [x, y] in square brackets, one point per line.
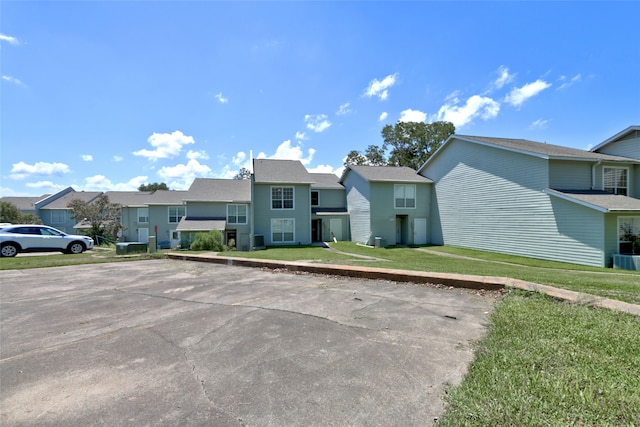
[272, 171]
[129, 198]
[545, 150]
[326, 181]
[24, 203]
[386, 174]
[600, 200]
[63, 202]
[219, 190]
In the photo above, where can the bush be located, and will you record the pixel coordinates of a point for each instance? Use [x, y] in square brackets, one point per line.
[211, 241]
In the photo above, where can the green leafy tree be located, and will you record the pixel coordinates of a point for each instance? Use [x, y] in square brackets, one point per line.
[412, 143]
[373, 156]
[10, 213]
[153, 187]
[243, 173]
[102, 216]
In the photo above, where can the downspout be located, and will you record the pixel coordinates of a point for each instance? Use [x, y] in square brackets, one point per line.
[593, 174]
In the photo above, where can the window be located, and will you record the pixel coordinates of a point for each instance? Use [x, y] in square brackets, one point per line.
[176, 213]
[629, 235]
[282, 230]
[405, 196]
[143, 215]
[236, 214]
[315, 198]
[58, 216]
[281, 197]
[615, 180]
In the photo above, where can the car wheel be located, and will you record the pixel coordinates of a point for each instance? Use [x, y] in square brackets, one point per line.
[9, 250]
[76, 248]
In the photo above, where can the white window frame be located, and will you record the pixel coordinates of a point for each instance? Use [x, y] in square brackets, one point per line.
[274, 225]
[317, 198]
[282, 199]
[404, 198]
[615, 187]
[140, 214]
[237, 215]
[61, 219]
[179, 217]
[635, 226]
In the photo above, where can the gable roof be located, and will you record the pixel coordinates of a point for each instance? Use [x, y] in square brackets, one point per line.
[167, 197]
[219, 190]
[272, 171]
[532, 148]
[24, 203]
[129, 198]
[620, 135]
[385, 174]
[326, 181]
[598, 200]
[63, 202]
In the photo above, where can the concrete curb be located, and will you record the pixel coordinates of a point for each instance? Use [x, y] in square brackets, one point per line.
[447, 279]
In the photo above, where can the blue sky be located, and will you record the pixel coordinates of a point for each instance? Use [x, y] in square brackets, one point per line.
[109, 95]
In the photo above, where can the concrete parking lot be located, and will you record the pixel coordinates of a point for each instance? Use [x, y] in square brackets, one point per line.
[183, 343]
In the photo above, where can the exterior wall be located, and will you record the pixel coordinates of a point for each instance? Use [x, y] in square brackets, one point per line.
[263, 213]
[629, 147]
[326, 226]
[634, 178]
[565, 175]
[129, 219]
[47, 215]
[384, 214]
[359, 208]
[635, 182]
[492, 199]
[331, 198]
[159, 216]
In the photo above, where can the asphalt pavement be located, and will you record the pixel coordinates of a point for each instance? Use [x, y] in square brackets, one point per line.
[168, 342]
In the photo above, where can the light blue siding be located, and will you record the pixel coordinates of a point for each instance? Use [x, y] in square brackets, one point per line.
[301, 213]
[564, 175]
[492, 199]
[359, 208]
[331, 198]
[629, 147]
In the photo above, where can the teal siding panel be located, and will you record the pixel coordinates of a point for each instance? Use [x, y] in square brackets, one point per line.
[624, 148]
[492, 199]
[301, 213]
[332, 198]
[566, 175]
[359, 208]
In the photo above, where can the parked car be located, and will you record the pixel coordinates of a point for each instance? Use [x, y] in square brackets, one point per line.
[15, 239]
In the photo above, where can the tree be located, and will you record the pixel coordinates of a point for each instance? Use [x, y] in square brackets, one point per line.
[373, 156]
[244, 173]
[412, 143]
[153, 187]
[11, 214]
[102, 216]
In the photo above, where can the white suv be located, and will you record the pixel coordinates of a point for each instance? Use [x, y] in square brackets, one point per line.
[40, 238]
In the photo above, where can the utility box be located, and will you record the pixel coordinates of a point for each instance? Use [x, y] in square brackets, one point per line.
[152, 244]
[131, 248]
[379, 242]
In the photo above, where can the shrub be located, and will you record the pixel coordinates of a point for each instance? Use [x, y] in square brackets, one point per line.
[211, 241]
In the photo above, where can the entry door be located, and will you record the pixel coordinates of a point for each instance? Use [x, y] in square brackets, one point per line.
[420, 231]
[398, 229]
[143, 235]
[335, 227]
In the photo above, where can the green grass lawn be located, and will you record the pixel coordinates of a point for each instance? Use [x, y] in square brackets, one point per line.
[95, 256]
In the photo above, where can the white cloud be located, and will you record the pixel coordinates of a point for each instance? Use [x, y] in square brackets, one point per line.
[412, 116]
[9, 39]
[539, 124]
[321, 169]
[520, 94]
[221, 99]
[166, 145]
[118, 158]
[191, 154]
[46, 186]
[318, 123]
[566, 83]
[343, 109]
[301, 136]
[180, 177]
[475, 106]
[240, 158]
[503, 78]
[87, 157]
[102, 183]
[383, 116]
[13, 80]
[23, 170]
[380, 88]
[287, 151]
